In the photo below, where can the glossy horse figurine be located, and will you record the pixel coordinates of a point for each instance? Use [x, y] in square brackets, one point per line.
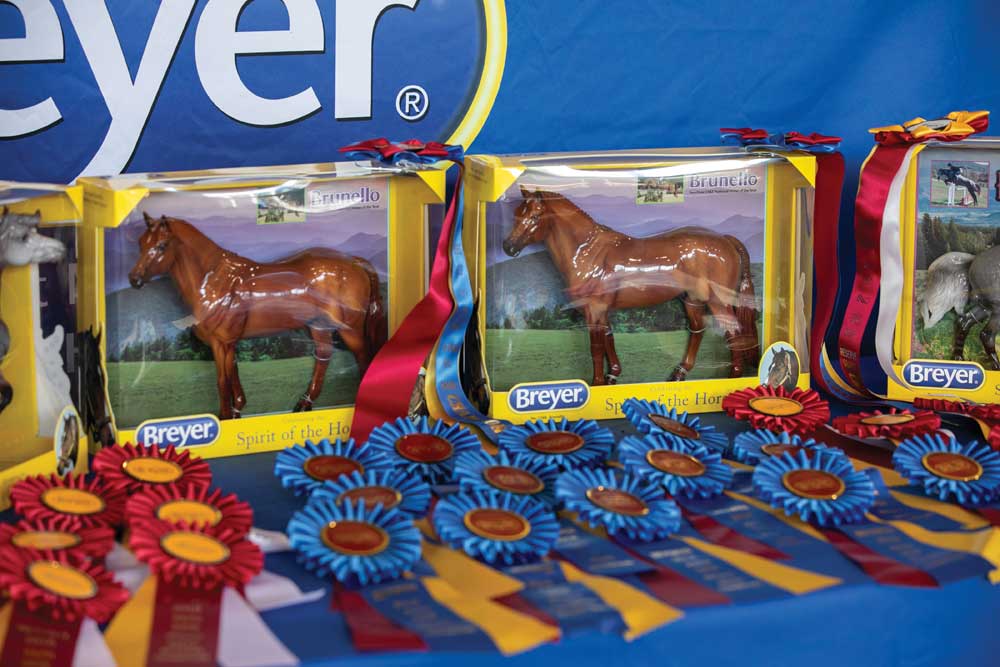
[21, 244]
[232, 298]
[95, 415]
[605, 270]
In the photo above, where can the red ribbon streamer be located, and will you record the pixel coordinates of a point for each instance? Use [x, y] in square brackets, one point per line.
[370, 630]
[185, 628]
[36, 638]
[673, 588]
[385, 390]
[725, 536]
[880, 568]
[826, 218]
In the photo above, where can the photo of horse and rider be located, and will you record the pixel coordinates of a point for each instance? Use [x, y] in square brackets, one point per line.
[583, 281]
[956, 296]
[247, 318]
[959, 184]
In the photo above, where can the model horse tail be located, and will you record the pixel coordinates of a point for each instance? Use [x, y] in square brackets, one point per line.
[746, 307]
[376, 322]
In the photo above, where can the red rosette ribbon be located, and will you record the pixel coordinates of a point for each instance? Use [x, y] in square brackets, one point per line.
[993, 437]
[798, 411]
[93, 502]
[63, 534]
[192, 505]
[987, 412]
[139, 467]
[890, 425]
[196, 556]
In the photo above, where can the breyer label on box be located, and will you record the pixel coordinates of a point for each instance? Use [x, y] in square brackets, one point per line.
[182, 432]
[548, 396]
[944, 374]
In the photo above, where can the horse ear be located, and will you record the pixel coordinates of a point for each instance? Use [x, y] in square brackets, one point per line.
[525, 192]
[150, 220]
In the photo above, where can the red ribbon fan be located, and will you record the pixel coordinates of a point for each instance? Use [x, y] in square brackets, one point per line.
[777, 409]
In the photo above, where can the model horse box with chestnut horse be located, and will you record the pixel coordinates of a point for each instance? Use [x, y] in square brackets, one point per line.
[678, 275]
[949, 315]
[38, 331]
[234, 311]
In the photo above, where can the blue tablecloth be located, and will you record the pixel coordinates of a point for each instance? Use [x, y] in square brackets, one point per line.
[866, 625]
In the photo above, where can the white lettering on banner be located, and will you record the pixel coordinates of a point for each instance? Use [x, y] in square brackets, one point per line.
[355, 28]
[218, 42]
[555, 396]
[129, 103]
[943, 375]
[42, 42]
[181, 432]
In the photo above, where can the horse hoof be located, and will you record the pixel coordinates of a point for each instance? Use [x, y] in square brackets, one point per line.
[611, 379]
[678, 375]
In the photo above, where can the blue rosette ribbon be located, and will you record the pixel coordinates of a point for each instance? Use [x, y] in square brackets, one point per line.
[412, 151]
[678, 466]
[623, 504]
[565, 444]
[822, 487]
[424, 448]
[752, 447]
[655, 417]
[969, 474]
[355, 545]
[518, 474]
[304, 468]
[750, 137]
[496, 527]
[393, 489]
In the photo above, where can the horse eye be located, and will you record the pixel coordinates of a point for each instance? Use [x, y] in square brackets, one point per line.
[162, 245]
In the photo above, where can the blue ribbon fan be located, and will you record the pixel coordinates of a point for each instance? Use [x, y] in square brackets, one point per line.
[677, 465]
[414, 495]
[947, 469]
[624, 504]
[644, 416]
[396, 541]
[289, 465]
[748, 447]
[594, 449]
[495, 526]
[384, 440]
[823, 488]
[471, 471]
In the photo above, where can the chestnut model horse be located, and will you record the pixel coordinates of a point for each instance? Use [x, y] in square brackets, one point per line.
[232, 298]
[606, 270]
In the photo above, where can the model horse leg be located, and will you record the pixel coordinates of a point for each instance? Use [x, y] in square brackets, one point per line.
[989, 338]
[219, 351]
[235, 388]
[614, 365]
[726, 320]
[695, 312]
[596, 317]
[323, 341]
[974, 315]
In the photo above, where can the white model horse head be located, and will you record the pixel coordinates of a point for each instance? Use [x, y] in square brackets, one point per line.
[21, 244]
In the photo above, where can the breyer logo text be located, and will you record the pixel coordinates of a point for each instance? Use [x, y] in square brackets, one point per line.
[184, 432]
[944, 375]
[555, 396]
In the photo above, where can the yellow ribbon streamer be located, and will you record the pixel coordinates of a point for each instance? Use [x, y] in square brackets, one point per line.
[129, 633]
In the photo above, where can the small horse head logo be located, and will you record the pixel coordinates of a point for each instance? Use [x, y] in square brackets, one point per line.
[531, 222]
[783, 370]
[156, 251]
[69, 442]
[21, 244]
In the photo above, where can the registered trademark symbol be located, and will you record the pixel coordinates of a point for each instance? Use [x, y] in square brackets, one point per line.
[412, 103]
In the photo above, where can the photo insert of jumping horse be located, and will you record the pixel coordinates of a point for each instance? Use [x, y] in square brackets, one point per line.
[231, 298]
[604, 270]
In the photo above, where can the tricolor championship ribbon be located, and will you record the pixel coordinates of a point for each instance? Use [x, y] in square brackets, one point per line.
[677, 465]
[304, 468]
[134, 468]
[877, 224]
[49, 596]
[622, 504]
[752, 447]
[426, 448]
[385, 390]
[519, 474]
[968, 474]
[354, 544]
[565, 444]
[496, 527]
[93, 503]
[197, 574]
[191, 505]
[798, 411]
[655, 417]
[393, 489]
[66, 534]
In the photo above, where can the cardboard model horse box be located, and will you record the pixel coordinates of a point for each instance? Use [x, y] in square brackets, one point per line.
[39, 356]
[678, 275]
[235, 310]
[949, 314]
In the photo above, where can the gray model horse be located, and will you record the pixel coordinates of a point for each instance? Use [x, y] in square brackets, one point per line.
[969, 285]
[21, 244]
[953, 175]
